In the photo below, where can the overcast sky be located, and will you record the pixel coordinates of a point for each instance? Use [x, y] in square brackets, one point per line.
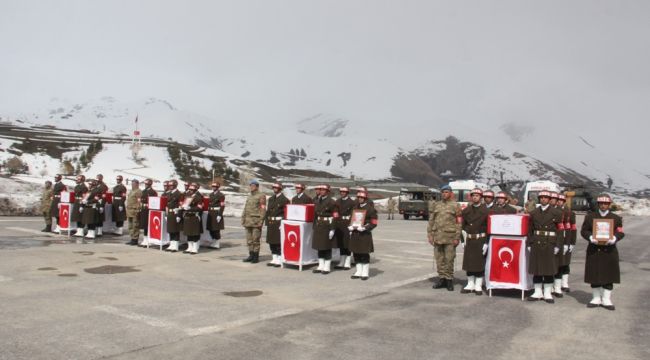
[569, 63]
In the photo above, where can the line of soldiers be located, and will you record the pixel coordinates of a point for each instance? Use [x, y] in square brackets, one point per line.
[332, 226]
[550, 242]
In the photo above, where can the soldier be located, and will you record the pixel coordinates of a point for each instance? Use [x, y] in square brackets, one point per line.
[103, 188]
[144, 205]
[166, 189]
[568, 234]
[46, 206]
[252, 220]
[488, 199]
[56, 198]
[391, 206]
[474, 225]
[117, 210]
[215, 221]
[173, 211]
[544, 244]
[554, 197]
[192, 218]
[602, 264]
[79, 190]
[90, 208]
[444, 235]
[502, 206]
[133, 208]
[274, 213]
[364, 189]
[301, 197]
[324, 218]
[361, 243]
[530, 206]
[344, 204]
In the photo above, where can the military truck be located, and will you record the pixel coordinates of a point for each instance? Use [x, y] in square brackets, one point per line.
[415, 202]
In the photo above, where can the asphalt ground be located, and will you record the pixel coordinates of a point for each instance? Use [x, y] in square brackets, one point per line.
[65, 299]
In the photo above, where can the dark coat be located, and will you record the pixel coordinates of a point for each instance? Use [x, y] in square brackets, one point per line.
[324, 222]
[192, 217]
[119, 200]
[302, 200]
[342, 234]
[79, 191]
[56, 198]
[90, 215]
[474, 223]
[217, 206]
[144, 207]
[602, 263]
[274, 213]
[500, 210]
[173, 210]
[361, 242]
[542, 257]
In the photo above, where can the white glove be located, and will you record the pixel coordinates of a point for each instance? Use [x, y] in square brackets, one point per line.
[565, 249]
[611, 241]
[81, 209]
[178, 219]
[83, 202]
[556, 250]
[58, 205]
[485, 248]
[331, 235]
[101, 210]
[462, 245]
[528, 248]
[571, 248]
[219, 219]
[351, 228]
[592, 240]
[176, 210]
[186, 207]
[361, 229]
[120, 208]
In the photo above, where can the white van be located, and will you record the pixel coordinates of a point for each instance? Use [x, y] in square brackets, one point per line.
[534, 187]
[462, 188]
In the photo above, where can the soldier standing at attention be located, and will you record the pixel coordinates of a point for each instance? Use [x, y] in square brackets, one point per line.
[488, 199]
[79, 190]
[570, 235]
[173, 215]
[215, 223]
[301, 198]
[56, 198]
[144, 205]
[602, 264]
[325, 214]
[274, 214]
[46, 206]
[544, 244]
[344, 205]
[90, 205]
[192, 217]
[444, 235]
[252, 220]
[502, 206]
[392, 204]
[101, 216]
[474, 223]
[361, 243]
[117, 210]
[133, 211]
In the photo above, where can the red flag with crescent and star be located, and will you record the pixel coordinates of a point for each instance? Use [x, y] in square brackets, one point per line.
[155, 224]
[291, 242]
[64, 216]
[504, 262]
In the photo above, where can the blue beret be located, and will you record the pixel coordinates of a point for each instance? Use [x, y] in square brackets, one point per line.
[254, 182]
[445, 187]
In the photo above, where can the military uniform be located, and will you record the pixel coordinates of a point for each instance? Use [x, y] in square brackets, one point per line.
[79, 191]
[444, 227]
[392, 205]
[274, 213]
[144, 208]
[46, 207]
[503, 210]
[474, 224]
[90, 205]
[253, 220]
[302, 199]
[101, 217]
[544, 242]
[215, 221]
[57, 189]
[602, 262]
[323, 239]
[570, 235]
[361, 243]
[174, 220]
[341, 233]
[118, 210]
[133, 214]
[192, 221]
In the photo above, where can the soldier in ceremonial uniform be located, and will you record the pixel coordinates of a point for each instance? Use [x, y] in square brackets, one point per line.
[344, 204]
[90, 208]
[364, 189]
[46, 205]
[444, 231]
[144, 205]
[570, 235]
[474, 226]
[56, 198]
[488, 199]
[602, 263]
[361, 243]
[274, 213]
[133, 208]
[502, 206]
[301, 198]
[252, 220]
[544, 243]
[215, 222]
[325, 213]
[391, 206]
[103, 189]
[118, 210]
[173, 213]
[192, 218]
[165, 189]
[79, 190]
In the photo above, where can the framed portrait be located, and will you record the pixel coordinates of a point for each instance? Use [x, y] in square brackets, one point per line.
[603, 230]
[358, 218]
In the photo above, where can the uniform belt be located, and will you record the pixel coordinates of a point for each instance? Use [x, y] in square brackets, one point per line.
[325, 218]
[215, 208]
[545, 233]
[57, 196]
[117, 198]
[275, 218]
[345, 217]
[476, 236]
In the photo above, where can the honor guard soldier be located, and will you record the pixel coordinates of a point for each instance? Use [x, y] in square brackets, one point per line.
[215, 221]
[570, 235]
[144, 205]
[192, 218]
[79, 190]
[602, 264]
[364, 189]
[165, 189]
[133, 208]
[391, 205]
[325, 213]
[301, 198]
[57, 189]
[89, 209]
[46, 206]
[444, 231]
[103, 188]
[361, 243]
[275, 206]
[502, 206]
[118, 210]
[173, 213]
[344, 204]
[488, 199]
[252, 220]
[474, 225]
[544, 243]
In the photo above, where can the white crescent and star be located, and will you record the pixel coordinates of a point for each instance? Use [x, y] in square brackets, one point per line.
[295, 238]
[156, 222]
[509, 251]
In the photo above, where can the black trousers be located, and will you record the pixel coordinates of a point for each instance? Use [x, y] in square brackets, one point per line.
[476, 273]
[80, 225]
[119, 223]
[275, 249]
[537, 279]
[92, 226]
[174, 236]
[215, 234]
[362, 258]
[193, 238]
[345, 251]
[604, 286]
[563, 270]
[325, 254]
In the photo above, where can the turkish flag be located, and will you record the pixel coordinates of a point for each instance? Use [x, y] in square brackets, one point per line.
[155, 224]
[504, 261]
[291, 242]
[64, 216]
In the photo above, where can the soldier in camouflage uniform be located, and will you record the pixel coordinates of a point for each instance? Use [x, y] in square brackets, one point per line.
[273, 217]
[46, 204]
[444, 235]
[252, 220]
[133, 211]
[392, 205]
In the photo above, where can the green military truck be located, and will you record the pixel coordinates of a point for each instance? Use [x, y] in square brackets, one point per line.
[415, 202]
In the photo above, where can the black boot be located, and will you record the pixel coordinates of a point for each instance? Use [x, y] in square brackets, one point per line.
[450, 284]
[256, 258]
[47, 228]
[441, 283]
[132, 242]
[249, 258]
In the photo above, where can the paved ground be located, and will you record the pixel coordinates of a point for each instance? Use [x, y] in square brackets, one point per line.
[65, 300]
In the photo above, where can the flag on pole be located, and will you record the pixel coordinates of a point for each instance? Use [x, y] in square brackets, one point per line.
[136, 119]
